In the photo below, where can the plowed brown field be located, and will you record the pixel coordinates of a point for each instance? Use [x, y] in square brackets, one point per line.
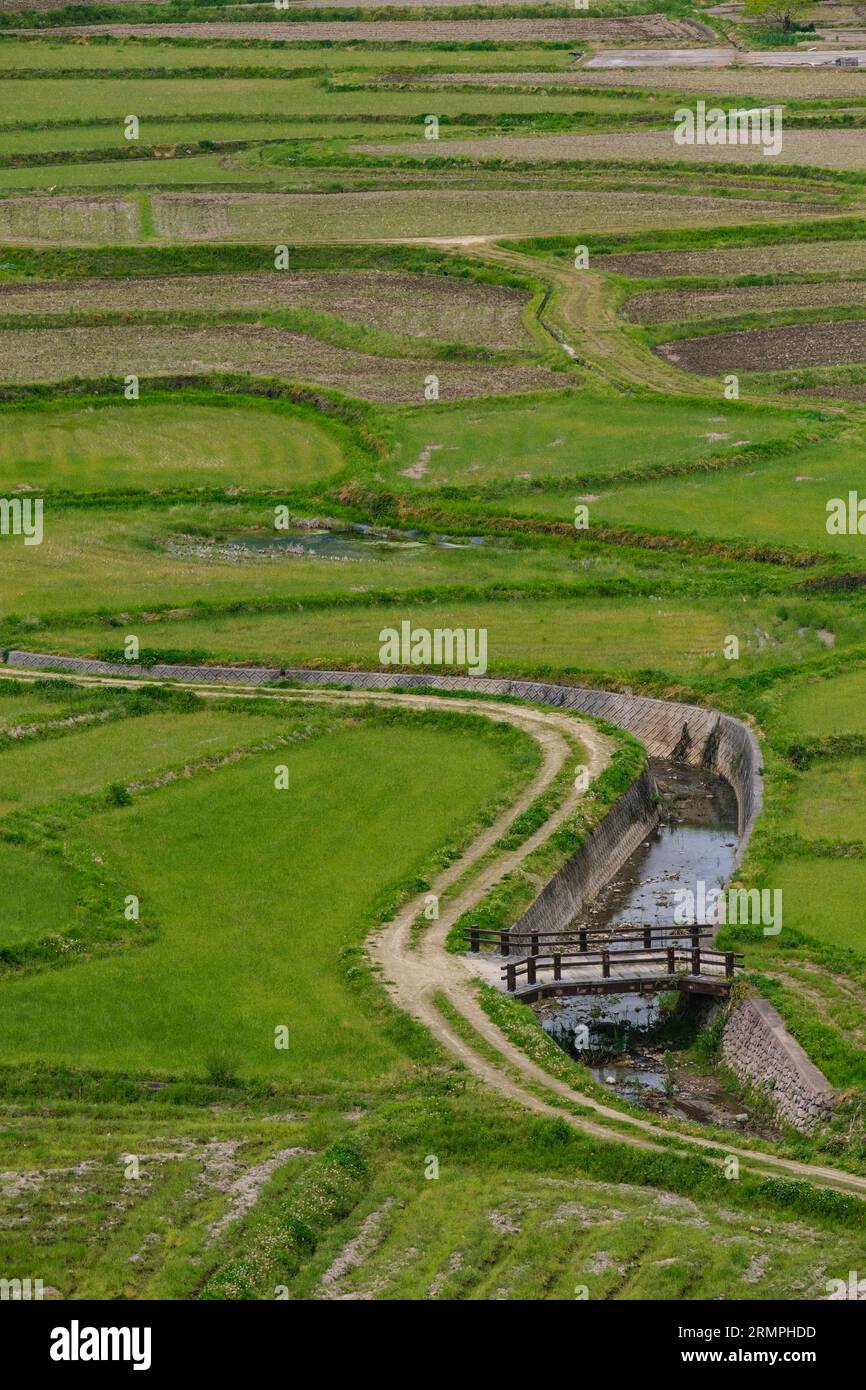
[634, 29]
[741, 260]
[58, 354]
[770, 349]
[424, 306]
[677, 306]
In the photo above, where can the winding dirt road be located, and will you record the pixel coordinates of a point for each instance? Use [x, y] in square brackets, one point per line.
[416, 972]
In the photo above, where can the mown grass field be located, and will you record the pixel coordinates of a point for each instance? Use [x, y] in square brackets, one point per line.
[826, 707]
[573, 438]
[435, 365]
[823, 895]
[40, 895]
[581, 634]
[104, 447]
[832, 794]
[227, 872]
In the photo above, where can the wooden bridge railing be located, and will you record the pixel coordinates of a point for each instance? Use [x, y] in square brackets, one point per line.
[697, 960]
[582, 939]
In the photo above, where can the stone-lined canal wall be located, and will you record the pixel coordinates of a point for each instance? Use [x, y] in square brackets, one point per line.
[605, 851]
[757, 1046]
[668, 728]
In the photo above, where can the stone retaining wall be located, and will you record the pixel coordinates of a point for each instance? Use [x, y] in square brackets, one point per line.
[668, 728]
[604, 853]
[758, 1047]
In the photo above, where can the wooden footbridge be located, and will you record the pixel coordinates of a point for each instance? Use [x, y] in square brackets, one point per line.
[628, 960]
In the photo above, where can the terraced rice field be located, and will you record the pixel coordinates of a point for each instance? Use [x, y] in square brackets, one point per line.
[669, 306]
[749, 82]
[770, 349]
[174, 444]
[47, 354]
[827, 149]
[840, 257]
[71, 219]
[424, 215]
[389, 31]
[283, 373]
[422, 306]
[546, 439]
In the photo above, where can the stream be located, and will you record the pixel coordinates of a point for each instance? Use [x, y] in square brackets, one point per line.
[630, 1041]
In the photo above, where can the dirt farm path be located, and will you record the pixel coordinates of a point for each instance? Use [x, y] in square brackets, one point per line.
[582, 312]
[415, 972]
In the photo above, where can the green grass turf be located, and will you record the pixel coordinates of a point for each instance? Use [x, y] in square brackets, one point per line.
[131, 557]
[18, 710]
[255, 892]
[675, 635]
[572, 435]
[783, 502]
[822, 707]
[831, 800]
[177, 444]
[34, 773]
[38, 896]
[52, 54]
[824, 898]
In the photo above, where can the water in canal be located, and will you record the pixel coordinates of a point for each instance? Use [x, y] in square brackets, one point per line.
[628, 1034]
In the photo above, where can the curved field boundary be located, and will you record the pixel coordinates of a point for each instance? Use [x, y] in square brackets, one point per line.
[668, 728]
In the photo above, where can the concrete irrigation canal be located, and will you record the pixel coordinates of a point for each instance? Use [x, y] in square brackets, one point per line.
[708, 765]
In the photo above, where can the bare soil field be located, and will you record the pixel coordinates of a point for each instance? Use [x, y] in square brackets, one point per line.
[663, 58]
[424, 306]
[740, 260]
[424, 214]
[770, 349]
[59, 354]
[824, 149]
[68, 219]
[807, 56]
[630, 28]
[794, 84]
[660, 58]
[851, 391]
[676, 306]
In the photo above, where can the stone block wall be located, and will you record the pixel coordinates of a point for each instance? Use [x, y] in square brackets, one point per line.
[758, 1047]
[605, 851]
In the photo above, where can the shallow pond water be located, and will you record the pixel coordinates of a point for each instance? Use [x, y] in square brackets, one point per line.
[355, 542]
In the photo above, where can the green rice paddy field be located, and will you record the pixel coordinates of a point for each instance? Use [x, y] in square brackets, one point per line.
[200, 991]
[279, 373]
